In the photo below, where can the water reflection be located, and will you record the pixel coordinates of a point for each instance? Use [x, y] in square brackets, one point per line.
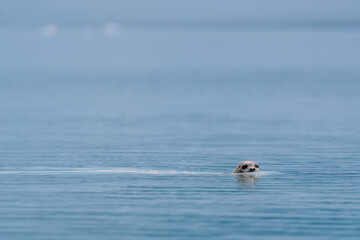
[248, 181]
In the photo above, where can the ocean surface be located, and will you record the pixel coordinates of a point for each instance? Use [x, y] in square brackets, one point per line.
[140, 155]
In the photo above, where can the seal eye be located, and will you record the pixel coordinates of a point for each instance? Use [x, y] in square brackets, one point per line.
[244, 167]
[257, 166]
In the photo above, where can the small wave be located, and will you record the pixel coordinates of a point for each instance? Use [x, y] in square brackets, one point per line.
[255, 174]
[140, 171]
[125, 171]
[91, 170]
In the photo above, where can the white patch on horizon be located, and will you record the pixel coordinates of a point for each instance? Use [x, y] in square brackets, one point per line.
[50, 30]
[112, 29]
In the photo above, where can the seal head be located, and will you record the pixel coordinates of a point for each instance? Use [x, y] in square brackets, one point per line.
[247, 167]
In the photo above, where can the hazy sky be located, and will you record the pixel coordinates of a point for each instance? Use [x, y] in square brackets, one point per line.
[25, 12]
[88, 34]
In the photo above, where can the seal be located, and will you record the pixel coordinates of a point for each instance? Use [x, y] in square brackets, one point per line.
[247, 167]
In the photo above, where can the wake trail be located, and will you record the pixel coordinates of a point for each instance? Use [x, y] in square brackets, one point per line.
[126, 171]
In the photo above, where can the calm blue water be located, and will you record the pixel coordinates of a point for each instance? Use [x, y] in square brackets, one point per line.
[135, 155]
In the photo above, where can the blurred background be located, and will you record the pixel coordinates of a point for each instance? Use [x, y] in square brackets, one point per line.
[162, 35]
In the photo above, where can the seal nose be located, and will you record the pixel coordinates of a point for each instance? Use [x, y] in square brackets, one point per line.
[251, 169]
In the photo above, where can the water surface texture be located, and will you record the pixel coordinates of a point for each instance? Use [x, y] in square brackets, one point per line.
[137, 155]
[123, 119]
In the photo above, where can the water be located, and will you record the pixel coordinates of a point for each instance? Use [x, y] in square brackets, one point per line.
[125, 155]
